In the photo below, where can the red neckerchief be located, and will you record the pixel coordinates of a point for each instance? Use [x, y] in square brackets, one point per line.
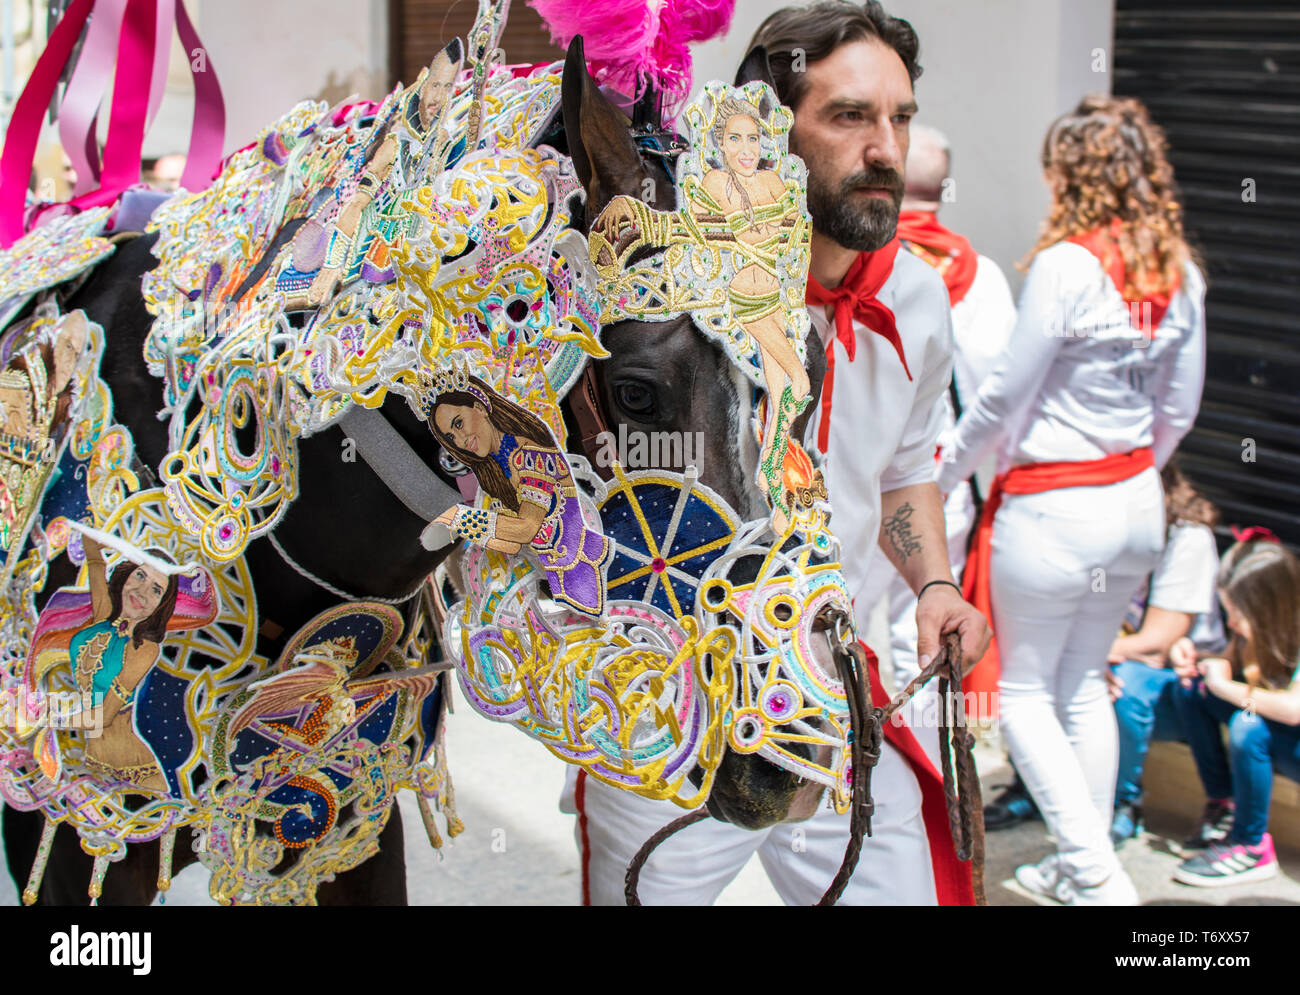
[1145, 313]
[854, 298]
[949, 253]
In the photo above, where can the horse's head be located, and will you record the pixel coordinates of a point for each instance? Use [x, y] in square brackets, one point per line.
[666, 378]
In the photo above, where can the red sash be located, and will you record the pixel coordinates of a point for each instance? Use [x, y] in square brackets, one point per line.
[952, 877]
[949, 253]
[1030, 478]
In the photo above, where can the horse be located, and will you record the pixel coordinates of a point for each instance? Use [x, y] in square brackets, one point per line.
[659, 377]
[654, 366]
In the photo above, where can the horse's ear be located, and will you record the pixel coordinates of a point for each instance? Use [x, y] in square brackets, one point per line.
[604, 155]
[755, 67]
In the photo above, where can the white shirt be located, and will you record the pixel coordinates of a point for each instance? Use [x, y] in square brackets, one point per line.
[1184, 581]
[1077, 381]
[982, 322]
[885, 428]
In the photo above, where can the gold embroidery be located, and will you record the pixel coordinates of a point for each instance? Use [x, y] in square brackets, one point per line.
[92, 651]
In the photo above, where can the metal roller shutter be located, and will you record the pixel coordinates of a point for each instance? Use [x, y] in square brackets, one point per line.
[1223, 79]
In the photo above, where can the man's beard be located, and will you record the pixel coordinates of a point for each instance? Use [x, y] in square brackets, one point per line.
[861, 225]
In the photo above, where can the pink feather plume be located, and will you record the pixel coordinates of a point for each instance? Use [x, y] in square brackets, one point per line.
[634, 43]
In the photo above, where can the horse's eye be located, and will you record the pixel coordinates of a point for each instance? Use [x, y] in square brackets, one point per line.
[635, 398]
[451, 464]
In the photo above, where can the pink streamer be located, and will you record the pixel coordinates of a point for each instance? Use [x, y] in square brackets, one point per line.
[143, 31]
[79, 111]
[25, 125]
[208, 130]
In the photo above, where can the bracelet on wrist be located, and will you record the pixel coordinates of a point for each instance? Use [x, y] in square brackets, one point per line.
[949, 583]
[474, 525]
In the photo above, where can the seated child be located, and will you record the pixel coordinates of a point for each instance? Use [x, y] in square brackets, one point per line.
[1254, 690]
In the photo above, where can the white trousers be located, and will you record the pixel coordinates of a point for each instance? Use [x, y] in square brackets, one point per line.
[1065, 564]
[692, 867]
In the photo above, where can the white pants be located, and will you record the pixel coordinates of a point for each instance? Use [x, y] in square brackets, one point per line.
[692, 867]
[1065, 564]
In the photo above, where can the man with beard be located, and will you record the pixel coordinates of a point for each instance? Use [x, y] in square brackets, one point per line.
[983, 316]
[847, 71]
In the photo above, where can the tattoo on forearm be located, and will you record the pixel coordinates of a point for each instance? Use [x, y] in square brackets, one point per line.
[898, 529]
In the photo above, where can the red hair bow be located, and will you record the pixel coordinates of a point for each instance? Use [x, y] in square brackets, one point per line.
[1253, 532]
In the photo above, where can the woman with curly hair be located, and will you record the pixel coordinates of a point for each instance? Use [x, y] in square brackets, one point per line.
[1101, 379]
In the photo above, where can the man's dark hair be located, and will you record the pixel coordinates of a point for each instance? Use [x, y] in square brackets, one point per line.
[819, 29]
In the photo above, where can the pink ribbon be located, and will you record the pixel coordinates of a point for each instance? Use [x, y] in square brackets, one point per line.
[25, 125]
[143, 31]
[79, 110]
[208, 128]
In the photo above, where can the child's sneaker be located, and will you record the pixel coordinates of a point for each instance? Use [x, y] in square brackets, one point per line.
[1214, 825]
[1224, 864]
[1126, 823]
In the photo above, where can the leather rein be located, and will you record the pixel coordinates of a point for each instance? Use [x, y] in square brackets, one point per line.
[961, 792]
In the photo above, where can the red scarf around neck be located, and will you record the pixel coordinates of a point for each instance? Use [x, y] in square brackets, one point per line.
[855, 298]
[949, 253]
[1145, 313]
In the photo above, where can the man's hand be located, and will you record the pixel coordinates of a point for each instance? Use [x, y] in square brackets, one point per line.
[942, 610]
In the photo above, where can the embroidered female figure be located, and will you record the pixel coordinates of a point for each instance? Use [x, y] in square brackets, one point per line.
[516, 461]
[112, 656]
[753, 212]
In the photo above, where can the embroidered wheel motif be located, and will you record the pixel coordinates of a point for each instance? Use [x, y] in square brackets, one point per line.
[668, 531]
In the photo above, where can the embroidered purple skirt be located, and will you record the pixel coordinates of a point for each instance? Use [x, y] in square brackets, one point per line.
[571, 556]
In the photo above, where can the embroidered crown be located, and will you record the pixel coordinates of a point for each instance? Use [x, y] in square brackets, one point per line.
[447, 380]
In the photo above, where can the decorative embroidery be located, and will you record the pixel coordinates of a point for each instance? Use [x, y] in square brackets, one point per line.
[438, 260]
[51, 254]
[735, 255]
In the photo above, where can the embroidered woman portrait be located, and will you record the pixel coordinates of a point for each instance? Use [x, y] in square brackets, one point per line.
[534, 498]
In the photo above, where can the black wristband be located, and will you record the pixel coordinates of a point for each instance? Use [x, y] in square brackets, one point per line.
[933, 582]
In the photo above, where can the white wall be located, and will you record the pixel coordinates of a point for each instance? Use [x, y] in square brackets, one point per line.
[270, 54]
[996, 73]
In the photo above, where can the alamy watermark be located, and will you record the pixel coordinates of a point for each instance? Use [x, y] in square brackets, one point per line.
[964, 708]
[650, 450]
[20, 708]
[94, 948]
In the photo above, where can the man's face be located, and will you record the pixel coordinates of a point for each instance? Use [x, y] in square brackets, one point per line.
[851, 130]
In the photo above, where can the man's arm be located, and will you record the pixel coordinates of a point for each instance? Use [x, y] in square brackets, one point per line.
[913, 534]
[914, 538]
